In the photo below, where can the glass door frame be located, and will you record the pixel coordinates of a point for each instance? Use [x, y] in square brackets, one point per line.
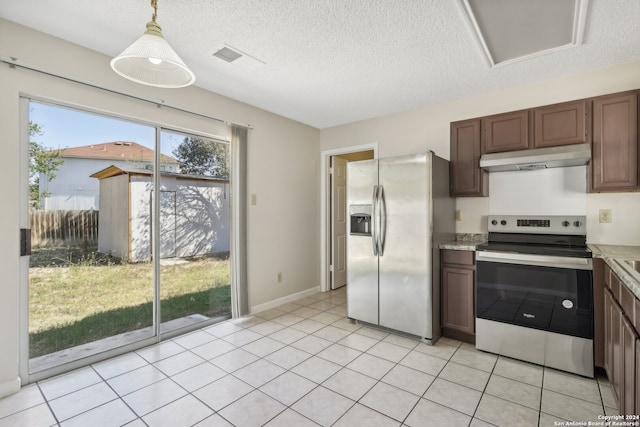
[28, 377]
[157, 308]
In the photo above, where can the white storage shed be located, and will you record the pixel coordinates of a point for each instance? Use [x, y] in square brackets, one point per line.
[194, 214]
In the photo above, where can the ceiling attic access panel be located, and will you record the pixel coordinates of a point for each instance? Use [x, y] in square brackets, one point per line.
[513, 30]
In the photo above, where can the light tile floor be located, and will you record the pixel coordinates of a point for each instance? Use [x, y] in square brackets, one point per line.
[305, 364]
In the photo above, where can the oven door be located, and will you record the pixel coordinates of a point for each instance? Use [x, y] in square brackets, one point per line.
[548, 293]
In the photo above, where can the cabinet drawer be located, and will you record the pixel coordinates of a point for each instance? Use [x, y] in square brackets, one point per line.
[614, 284]
[627, 301]
[450, 256]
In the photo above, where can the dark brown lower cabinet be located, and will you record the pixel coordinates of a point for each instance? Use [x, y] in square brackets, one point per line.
[637, 374]
[628, 357]
[599, 269]
[616, 353]
[621, 353]
[458, 295]
[608, 320]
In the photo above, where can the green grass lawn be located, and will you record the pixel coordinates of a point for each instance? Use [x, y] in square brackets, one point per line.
[76, 299]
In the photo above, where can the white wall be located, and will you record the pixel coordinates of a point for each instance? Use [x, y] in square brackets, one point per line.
[283, 164]
[624, 228]
[428, 128]
[556, 191]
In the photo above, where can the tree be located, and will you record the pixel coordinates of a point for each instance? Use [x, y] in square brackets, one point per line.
[205, 157]
[41, 161]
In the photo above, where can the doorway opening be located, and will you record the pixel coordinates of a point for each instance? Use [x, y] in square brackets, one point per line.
[334, 211]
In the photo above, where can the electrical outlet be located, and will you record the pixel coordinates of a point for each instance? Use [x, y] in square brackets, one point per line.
[279, 277]
[254, 200]
[458, 216]
[605, 215]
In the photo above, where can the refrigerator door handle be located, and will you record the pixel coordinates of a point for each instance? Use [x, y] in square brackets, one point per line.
[374, 228]
[382, 231]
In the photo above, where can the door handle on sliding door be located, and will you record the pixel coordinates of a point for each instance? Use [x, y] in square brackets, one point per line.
[25, 241]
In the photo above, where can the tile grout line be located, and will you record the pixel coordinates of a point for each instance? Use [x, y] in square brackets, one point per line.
[361, 331]
[483, 390]
[55, 417]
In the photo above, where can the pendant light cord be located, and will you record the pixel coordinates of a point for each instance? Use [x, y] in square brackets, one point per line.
[154, 5]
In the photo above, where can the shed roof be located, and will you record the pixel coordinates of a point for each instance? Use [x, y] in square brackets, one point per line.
[113, 170]
[115, 150]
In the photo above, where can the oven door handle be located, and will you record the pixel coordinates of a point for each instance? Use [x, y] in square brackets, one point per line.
[537, 260]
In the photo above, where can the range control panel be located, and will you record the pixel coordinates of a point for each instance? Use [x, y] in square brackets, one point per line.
[537, 224]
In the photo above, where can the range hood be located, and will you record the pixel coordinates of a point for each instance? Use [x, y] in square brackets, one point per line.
[537, 158]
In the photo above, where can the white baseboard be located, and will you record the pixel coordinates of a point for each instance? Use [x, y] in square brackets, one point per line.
[10, 387]
[276, 302]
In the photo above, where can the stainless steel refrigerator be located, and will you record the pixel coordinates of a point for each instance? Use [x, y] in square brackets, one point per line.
[399, 212]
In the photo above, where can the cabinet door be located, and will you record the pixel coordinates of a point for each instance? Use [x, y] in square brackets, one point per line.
[628, 377]
[598, 314]
[614, 164]
[561, 124]
[458, 299]
[608, 338]
[637, 391]
[637, 318]
[506, 132]
[467, 179]
[617, 355]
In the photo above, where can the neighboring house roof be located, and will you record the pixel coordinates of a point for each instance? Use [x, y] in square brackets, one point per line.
[113, 170]
[116, 150]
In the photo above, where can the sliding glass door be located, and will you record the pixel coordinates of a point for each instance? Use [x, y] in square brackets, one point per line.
[195, 275]
[129, 232]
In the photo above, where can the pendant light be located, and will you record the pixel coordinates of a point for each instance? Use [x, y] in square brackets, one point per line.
[151, 61]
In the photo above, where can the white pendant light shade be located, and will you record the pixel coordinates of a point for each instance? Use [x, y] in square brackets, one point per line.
[151, 61]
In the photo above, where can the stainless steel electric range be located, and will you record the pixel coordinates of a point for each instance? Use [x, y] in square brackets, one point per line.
[534, 293]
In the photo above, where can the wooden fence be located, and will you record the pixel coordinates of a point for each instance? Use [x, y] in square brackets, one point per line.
[63, 227]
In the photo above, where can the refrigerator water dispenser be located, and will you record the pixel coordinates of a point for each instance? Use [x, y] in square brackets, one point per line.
[360, 220]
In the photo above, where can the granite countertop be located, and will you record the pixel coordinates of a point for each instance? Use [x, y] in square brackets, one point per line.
[465, 242]
[614, 256]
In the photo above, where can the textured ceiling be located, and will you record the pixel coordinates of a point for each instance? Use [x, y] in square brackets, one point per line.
[330, 62]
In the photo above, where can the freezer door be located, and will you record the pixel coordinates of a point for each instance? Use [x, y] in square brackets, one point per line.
[405, 266]
[362, 264]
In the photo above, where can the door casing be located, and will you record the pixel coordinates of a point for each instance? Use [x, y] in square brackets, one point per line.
[325, 205]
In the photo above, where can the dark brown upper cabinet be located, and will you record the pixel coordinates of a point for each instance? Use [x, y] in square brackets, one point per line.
[614, 155]
[466, 177]
[506, 132]
[562, 124]
[609, 123]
